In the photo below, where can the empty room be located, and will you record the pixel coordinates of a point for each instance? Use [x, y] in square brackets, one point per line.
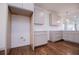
[39, 29]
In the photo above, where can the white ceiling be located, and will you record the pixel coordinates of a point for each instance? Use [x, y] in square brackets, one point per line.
[61, 8]
[58, 6]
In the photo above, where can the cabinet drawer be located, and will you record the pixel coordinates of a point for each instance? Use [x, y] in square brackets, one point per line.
[40, 38]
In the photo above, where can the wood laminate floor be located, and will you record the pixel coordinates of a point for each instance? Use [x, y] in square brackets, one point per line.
[57, 48]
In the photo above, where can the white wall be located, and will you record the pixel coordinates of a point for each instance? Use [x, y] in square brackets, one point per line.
[3, 24]
[20, 30]
[28, 6]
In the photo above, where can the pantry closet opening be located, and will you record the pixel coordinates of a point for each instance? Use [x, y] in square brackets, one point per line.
[19, 28]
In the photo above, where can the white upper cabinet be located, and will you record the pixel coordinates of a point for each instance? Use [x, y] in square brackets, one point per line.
[40, 16]
[19, 5]
[28, 6]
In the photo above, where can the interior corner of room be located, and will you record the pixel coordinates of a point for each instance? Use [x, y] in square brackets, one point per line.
[39, 28]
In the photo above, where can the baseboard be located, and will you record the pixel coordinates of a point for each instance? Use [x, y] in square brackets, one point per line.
[56, 41]
[59, 40]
